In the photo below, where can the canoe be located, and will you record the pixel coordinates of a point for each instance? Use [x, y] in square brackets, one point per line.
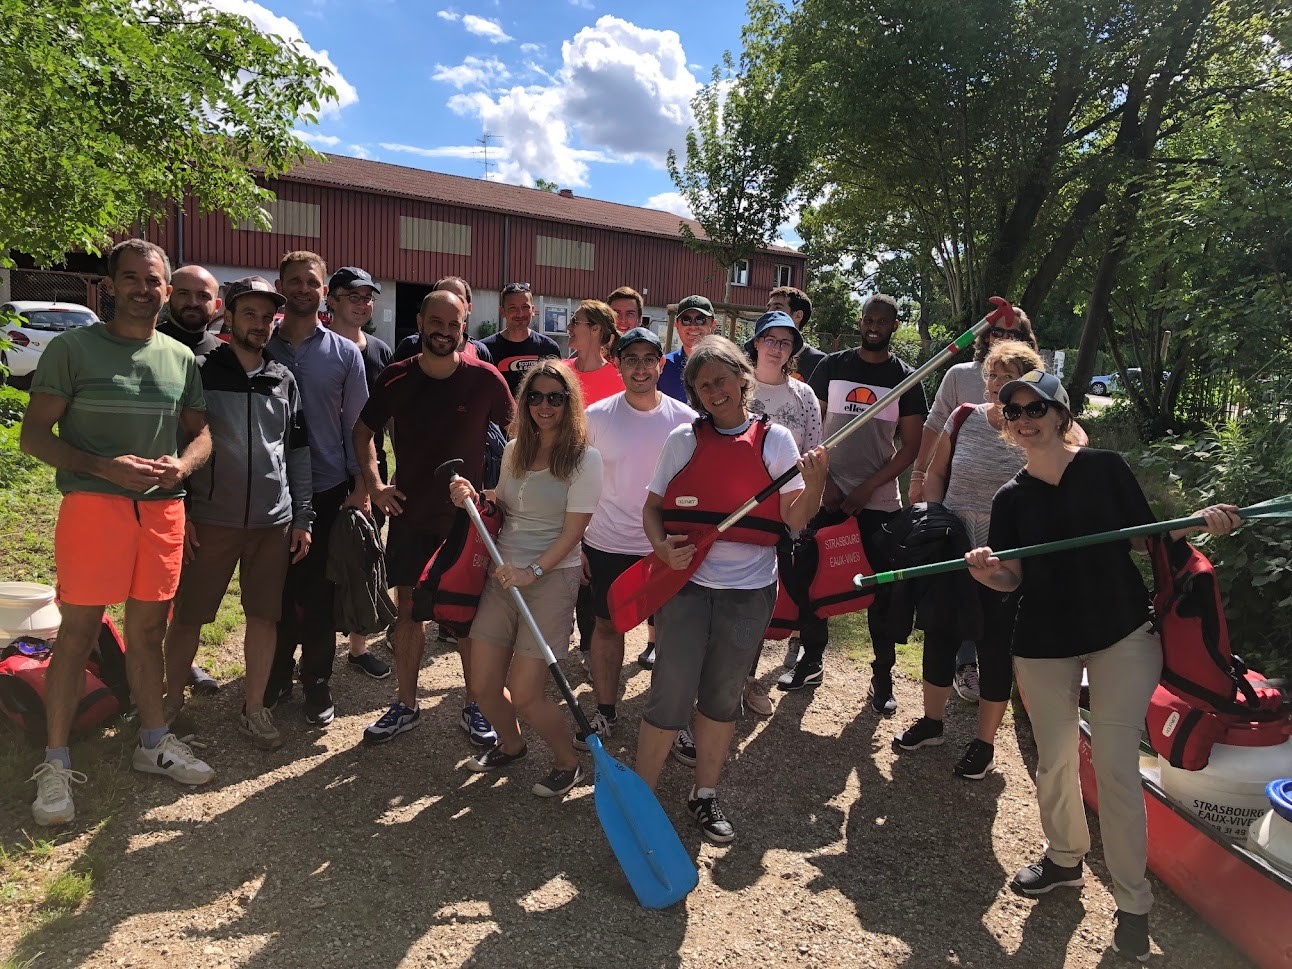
[1242, 896]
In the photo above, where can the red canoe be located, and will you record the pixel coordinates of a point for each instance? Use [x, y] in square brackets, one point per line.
[1239, 893]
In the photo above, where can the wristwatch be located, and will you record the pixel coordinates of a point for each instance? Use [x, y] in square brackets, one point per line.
[538, 572]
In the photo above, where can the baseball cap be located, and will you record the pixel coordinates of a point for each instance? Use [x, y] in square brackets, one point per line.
[696, 303]
[1046, 385]
[348, 277]
[638, 334]
[252, 284]
[772, 319]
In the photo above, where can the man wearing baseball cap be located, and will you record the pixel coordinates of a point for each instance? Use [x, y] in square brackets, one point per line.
[629, 429]
[694, 322]
[249, 507]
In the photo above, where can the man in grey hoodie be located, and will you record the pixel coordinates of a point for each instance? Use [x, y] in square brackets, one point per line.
[251, 505]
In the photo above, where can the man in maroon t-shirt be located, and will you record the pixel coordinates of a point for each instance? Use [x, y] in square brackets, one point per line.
[441, 404]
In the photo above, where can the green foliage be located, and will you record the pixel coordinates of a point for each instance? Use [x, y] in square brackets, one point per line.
[14, 465]
[111, 109]
[1114, 428]
[66, 892]
[835, 306]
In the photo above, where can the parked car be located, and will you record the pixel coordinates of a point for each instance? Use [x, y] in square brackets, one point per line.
[39, 322]
[1111, 383]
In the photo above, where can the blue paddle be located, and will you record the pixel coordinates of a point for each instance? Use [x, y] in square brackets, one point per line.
[642, 837]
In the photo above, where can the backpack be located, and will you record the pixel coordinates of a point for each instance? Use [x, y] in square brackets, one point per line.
[1198, 665]
[451, 584]
[958, 418]
[104, 693]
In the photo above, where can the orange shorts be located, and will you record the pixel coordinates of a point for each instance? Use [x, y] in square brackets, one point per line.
[108, 549]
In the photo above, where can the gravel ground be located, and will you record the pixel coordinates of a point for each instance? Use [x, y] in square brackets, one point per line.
[327, 853]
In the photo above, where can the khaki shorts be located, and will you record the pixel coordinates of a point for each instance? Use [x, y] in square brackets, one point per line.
[550, 599]
[262, 555]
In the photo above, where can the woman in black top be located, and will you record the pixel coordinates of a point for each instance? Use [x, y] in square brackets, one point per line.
[1083, 608]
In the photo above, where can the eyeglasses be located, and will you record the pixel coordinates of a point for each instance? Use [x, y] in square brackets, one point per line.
[771, 343]
[554, 398]
[1000, 333]
[358, 299]
[1035, 410]
[634, 362]
[515, 288]
[696, 320]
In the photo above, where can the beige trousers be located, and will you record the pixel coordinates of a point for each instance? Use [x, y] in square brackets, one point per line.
[1122, 679]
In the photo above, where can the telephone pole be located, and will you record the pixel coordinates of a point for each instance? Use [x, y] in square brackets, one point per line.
[483, 141]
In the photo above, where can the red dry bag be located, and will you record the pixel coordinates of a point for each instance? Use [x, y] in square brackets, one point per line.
[450, 587]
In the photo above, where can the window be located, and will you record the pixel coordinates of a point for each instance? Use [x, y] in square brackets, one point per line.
[784, 275]
[739, 273]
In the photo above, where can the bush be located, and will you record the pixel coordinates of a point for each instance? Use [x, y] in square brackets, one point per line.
[14, 465]
[1114, 428]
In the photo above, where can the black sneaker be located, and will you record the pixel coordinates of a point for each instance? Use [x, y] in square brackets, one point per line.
[202, 682]
[495, 757]
[880, 695]
[1046, 876]
[805, 673]
[1130, 938]
[318, 703]
[274, 695]
[684, 747]
[924, 732]
[712, 821]
[978, 761]
[646, 660]
[369, 664]
[558, 782]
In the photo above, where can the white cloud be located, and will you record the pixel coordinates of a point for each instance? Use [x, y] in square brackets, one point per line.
[530, 48]
[491, 30]
[268, 22]
[445, 151]
[584, 4]
[451, 16]
[669, 202]
[359, 151]
[622, 91]
[472, 72]
[318, 140]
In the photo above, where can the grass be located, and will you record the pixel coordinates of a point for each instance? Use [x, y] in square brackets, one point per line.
[66, 892]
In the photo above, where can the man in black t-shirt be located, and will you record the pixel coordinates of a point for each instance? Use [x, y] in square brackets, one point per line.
[863, 476]
[516, 347]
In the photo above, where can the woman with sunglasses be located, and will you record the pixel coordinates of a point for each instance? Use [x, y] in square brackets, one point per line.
[965, 482]
[592, 334]
[548, 490]
[789, 402]
[709, 632]
[1083, 608]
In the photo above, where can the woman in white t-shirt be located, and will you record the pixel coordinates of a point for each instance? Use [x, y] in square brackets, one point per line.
[709, 632]
[548, 490]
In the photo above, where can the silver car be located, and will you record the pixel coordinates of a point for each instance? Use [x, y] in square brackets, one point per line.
[39, 321]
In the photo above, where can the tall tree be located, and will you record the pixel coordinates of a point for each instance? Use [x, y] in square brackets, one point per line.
[110, 109]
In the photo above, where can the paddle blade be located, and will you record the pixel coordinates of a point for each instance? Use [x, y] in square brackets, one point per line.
[642, 837]
[641, 589]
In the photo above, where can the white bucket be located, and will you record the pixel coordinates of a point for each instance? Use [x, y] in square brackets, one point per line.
[1271, 836]
[1229, 793]
[27, 609]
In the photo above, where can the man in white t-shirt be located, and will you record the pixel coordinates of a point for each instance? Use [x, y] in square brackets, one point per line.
[629, 429]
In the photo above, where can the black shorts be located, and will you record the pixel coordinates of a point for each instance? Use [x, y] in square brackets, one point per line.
[407, 552]
[603, 569]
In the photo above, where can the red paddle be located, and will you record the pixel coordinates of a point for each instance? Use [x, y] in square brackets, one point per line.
[647, 585]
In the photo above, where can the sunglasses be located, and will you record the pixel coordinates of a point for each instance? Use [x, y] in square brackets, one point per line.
[1035, 410]
[1000, 333]
[696, 320]
[554, 398]
[515, 288]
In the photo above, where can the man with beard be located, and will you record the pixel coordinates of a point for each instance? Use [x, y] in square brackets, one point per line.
[441, 403]
[863, 476]
[120, 393]
[329, 374]
[411, 345]
[186, 317]
[249, 507]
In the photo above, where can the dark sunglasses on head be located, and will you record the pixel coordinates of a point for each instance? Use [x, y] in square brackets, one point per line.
[555, 398]
[515, 288]
[1035, 410]
[1000, 333]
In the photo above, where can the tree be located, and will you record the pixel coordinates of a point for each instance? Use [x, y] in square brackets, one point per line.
[543, 185]
[111, 109]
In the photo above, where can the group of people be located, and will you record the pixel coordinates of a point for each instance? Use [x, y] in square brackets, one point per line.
[176, 468]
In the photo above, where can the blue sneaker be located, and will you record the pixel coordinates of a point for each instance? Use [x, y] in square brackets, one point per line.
[392, 723]
[479, 729]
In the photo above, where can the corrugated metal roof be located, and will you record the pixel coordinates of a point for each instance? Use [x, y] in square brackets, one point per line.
[417, 183]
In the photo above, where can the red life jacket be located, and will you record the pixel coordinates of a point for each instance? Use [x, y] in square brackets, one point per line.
[450, 586]
[723, 473]
[1183, 733]
[832, 556]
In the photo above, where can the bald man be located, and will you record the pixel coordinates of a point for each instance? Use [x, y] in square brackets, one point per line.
[187, 315]
[441, 403]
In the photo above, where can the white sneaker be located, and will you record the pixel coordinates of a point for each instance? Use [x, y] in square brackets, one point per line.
[259, 726]
[601, 725]
[175, 759]
[53, 804]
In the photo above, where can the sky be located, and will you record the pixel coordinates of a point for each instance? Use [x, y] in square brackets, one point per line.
[590, 95]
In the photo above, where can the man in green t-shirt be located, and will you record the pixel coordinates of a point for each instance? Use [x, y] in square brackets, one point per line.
[120, 393]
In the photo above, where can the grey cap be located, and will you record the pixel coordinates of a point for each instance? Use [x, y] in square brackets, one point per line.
[638, 334]
[348, 277]
[700, 303]
[252, 284]
[1046, 385]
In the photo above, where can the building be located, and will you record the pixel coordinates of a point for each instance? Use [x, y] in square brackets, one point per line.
[409, 227]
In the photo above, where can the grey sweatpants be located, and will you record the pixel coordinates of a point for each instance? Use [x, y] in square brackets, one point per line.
[1122, 679]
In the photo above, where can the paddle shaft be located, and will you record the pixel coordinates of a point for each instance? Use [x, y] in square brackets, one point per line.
[1274, 508]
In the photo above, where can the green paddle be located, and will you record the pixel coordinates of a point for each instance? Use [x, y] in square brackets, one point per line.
[1274, 508]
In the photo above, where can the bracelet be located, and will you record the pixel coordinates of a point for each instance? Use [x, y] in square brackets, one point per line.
[917, 474]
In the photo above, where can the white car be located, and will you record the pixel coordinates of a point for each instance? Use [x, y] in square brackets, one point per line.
[39, 322]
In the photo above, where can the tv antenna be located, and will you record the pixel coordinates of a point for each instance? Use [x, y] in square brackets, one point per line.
[483, 141]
